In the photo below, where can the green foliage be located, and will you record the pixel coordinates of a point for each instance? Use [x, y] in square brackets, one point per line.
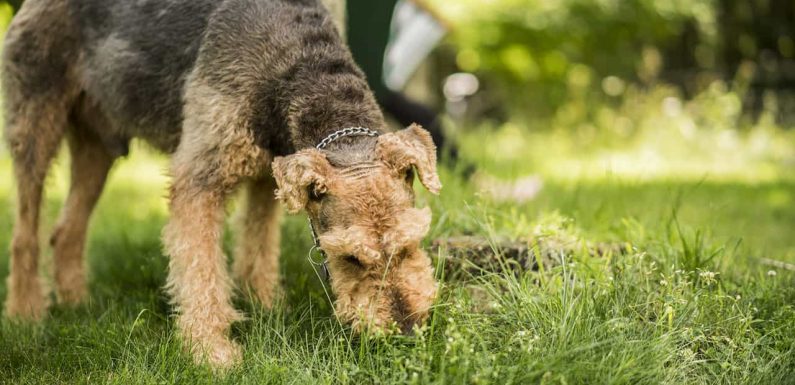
[534, 56]
[538, 52]
[13, 6]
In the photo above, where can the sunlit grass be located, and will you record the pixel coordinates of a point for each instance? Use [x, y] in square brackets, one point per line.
[650, 136]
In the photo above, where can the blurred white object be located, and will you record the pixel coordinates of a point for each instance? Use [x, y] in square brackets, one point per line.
[413, 35]
[460, 85]
[521, 190]
[457, 87]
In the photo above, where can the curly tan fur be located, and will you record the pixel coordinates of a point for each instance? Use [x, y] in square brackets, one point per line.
[198, 280]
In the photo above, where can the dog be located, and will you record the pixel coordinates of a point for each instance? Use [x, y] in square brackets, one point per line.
[259, 95]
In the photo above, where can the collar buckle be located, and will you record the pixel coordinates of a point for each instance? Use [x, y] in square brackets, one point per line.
[323, 264]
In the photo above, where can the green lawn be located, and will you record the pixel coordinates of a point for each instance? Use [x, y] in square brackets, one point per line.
[692, 302]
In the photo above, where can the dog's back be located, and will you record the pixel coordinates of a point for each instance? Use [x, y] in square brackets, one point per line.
[130, 60]
[135, 56]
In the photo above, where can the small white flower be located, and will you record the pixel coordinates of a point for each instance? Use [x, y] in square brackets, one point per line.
[771, 273]
[663, 282]
[707, 275]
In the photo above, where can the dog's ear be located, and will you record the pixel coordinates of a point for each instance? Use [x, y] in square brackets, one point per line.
[296, 174]
[411, 147]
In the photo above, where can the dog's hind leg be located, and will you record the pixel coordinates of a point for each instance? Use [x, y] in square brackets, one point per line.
[257, 253]
[38, 93]
[91, 162]
[34, 130]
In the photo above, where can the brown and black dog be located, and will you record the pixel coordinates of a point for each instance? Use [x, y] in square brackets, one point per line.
[240, 93]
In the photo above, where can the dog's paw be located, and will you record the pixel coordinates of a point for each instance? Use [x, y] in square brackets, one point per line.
[267, 294]
[73, 295]
[224, 355]
[30, 306]
[219, 353]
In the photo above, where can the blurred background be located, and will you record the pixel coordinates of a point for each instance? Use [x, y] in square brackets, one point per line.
[643, 88]
[541, 59]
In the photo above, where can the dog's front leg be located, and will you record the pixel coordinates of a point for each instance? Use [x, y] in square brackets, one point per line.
[198, 280]
[257, 253]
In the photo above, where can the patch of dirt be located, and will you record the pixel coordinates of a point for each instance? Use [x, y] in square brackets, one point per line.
[473, 256]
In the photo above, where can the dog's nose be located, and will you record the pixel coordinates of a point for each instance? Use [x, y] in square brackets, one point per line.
[401, 314]
[407, 326]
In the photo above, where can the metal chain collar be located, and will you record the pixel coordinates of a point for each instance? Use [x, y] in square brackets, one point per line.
[350, 131]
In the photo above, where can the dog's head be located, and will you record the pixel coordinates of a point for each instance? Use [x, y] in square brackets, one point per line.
[367, 225]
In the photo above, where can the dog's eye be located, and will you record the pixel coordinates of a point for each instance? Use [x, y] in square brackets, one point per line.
[352, 260]
[410, 175]
[315, 193]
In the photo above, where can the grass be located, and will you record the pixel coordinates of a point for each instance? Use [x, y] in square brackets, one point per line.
[693, 301]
